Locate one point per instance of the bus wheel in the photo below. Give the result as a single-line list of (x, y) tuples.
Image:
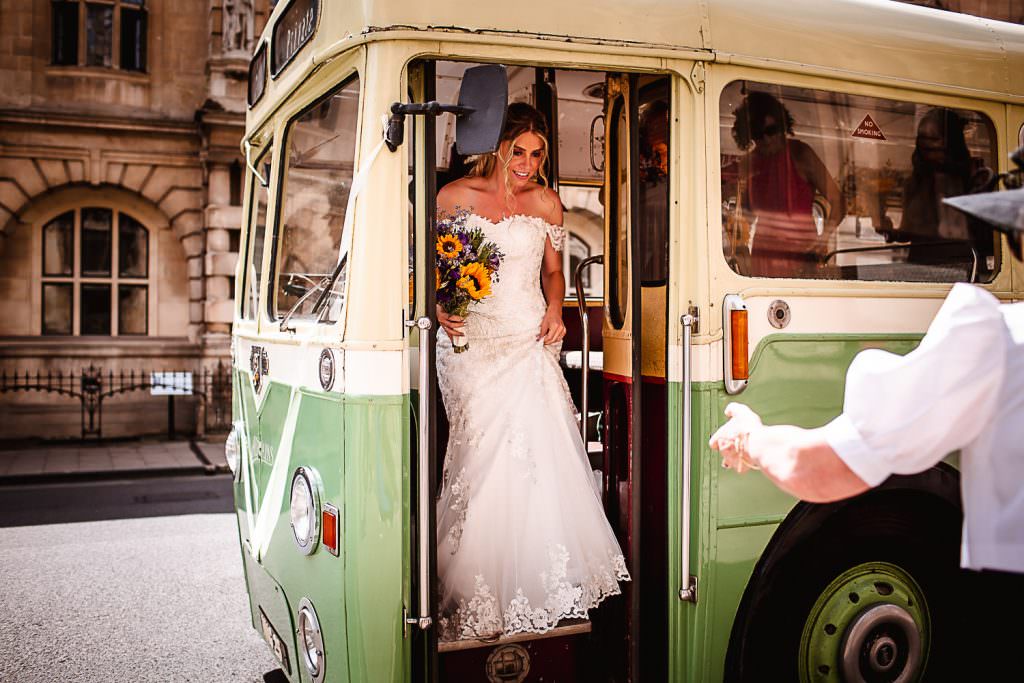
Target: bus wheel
[(861, 591), (870, 624)]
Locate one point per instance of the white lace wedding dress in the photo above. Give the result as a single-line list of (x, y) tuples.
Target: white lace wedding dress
[(522, 538)]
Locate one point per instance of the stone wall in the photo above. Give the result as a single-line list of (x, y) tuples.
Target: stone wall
[(162, 145)]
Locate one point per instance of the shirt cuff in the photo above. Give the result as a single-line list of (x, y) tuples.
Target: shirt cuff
[(851, 448)]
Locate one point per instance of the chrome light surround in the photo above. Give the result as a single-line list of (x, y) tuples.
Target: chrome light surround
[(232, 446), (311, 641), (304, 509)]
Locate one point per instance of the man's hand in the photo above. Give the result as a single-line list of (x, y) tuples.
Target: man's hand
[(732, 439)]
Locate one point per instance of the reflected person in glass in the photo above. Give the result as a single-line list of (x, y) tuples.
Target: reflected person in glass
[(779, 180)]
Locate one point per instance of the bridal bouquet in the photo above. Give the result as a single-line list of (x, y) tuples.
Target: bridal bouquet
[(467, 265)]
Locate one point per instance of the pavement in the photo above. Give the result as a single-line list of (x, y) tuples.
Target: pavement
[(77, 461)]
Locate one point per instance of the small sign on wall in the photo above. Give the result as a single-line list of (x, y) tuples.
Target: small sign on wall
[(170, 383)]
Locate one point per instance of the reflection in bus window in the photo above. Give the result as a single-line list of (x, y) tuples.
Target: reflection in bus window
[(583, 219), (941, 166), (580, 101), (618, 240), (653, 183), (818, 184), (253, 274), (321, 149)]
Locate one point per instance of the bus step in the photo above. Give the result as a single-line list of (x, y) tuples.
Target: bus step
[(568, 627)]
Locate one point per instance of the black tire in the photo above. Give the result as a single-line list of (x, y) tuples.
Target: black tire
[(916, 532)]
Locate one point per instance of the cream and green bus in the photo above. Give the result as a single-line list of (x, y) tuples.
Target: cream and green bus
[(339, 433)]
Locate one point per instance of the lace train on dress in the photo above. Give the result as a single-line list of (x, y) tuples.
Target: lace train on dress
[(522, 537)]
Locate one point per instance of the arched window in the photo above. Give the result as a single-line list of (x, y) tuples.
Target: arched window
[(95, 274)]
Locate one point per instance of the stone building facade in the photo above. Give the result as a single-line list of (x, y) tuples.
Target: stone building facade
[(120, 193)]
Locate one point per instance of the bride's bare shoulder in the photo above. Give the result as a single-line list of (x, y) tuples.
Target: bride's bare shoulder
[(458, 193), (544, 202)]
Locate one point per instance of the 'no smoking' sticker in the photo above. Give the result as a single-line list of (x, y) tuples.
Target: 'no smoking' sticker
[(868, 129)]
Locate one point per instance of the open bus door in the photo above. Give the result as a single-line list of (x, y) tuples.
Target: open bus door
[(622, 399), (421, 609), (481, 111), (635, 492), (637, 188)]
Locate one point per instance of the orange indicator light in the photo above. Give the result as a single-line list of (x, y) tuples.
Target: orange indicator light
[(329, 524), (738, 321)]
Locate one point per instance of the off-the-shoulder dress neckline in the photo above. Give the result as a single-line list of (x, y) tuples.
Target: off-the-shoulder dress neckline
[(508, 219)]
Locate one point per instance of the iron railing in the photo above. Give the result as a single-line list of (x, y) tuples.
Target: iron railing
[(91, 386)]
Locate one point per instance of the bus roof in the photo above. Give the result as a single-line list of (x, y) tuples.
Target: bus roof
[(876, 38)]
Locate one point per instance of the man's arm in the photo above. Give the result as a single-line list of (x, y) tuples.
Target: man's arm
[(799, 461)]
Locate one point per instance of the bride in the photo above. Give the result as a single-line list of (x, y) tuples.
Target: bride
[(522, 538)]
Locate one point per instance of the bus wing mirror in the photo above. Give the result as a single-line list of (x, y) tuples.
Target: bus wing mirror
[(484, 98)]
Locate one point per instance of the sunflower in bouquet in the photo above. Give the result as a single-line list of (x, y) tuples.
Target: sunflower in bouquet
[(467, 266)]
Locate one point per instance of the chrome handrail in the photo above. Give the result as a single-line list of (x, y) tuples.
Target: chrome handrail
[(687, 585), (581, 302), (424, 621)]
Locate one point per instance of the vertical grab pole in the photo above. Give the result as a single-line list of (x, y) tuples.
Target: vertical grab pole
[(423, 619), (581, 302), (687, 584)]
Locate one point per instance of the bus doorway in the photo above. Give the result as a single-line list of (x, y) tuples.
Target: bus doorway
[(627, 427)]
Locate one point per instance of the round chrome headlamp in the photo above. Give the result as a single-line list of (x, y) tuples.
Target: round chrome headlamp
[(305, 509), (311, 641), (232, 446)]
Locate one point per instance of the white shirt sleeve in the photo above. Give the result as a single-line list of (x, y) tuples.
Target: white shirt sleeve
[(903, 414)]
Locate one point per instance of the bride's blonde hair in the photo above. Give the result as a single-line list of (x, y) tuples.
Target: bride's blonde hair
[(520, 119)]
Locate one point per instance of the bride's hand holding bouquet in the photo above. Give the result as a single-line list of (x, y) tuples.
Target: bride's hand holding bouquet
[(467, 265)]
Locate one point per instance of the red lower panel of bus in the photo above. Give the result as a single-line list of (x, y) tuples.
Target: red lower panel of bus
[(566, 659)]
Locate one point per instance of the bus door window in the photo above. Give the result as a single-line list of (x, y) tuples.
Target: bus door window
[(321, 150), (819, 184), (580, 104), (252, 276), (617, 208), (652, 179)]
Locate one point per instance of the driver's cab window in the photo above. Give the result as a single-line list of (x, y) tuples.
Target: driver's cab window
[(819, 184), (317, 180), (252, 276)]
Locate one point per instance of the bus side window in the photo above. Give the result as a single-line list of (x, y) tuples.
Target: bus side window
[(321, 152), (252, 276), (819, 184)]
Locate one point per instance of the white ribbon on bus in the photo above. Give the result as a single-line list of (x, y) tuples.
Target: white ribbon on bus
[(357, 186), (262, 528)]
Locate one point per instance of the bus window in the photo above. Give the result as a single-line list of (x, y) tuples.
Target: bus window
[(652, 183), (253, 274), (321, 150), (618, 211), (819, 184), (583, 219), (580, 174)]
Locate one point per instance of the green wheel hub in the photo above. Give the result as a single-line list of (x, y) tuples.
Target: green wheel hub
[(870, 625)]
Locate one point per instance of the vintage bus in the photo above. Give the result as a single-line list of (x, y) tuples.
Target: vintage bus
[(339, 432)]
